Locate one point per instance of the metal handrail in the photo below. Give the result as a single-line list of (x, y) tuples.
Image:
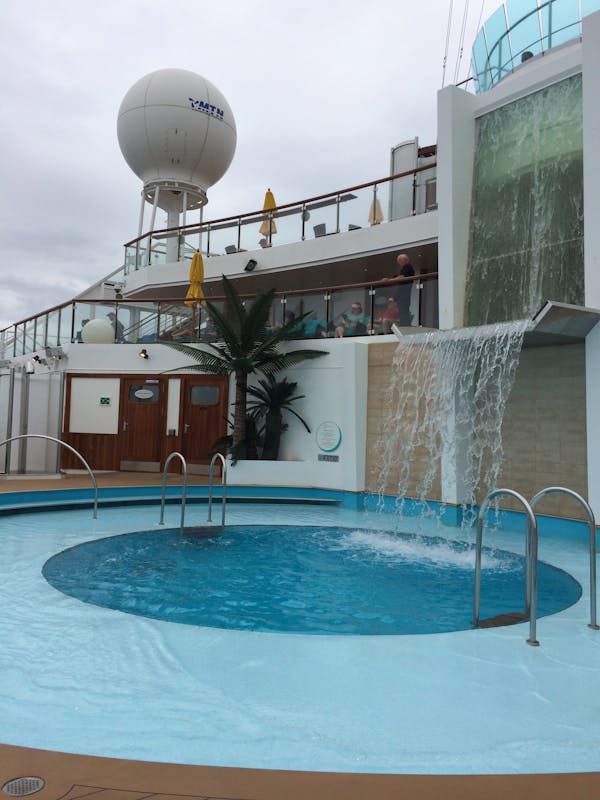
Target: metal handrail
[(531, 550), (260, 214), (223, 486), (68, 446), (592, 526), (164, 488)]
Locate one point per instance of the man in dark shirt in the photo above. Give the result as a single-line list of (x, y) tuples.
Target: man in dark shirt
[(403, 290)]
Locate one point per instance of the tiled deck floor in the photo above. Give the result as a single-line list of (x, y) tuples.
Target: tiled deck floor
[(72, 776)]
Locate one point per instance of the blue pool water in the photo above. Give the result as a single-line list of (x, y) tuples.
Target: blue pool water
[(301, 579)]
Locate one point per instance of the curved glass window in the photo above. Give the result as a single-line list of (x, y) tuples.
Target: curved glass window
[(521, 29)]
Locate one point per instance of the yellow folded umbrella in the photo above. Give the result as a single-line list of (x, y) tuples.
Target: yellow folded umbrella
[(375, 213), (268, 226), (195, 292)]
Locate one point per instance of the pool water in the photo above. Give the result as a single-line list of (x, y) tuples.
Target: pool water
[(301, 579)]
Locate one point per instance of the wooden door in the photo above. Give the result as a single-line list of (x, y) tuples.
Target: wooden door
[(204, 418), (142, 423)]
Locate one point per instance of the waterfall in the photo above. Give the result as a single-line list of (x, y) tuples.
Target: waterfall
[(443, 413)]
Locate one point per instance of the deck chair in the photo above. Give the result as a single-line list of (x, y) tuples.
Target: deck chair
[(320, 230), (231, 248)]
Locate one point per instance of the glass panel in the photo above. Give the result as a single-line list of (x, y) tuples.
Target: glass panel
[(480, 65), (144, 393), (563, 15), (40, 333), (208, 332), (53, 319), (140, 321), (222, 239), (204, 395), (84, 312), (350, 313), (527, 35), (315, 305), (428, 315), (159, 251), (28, 344), (527, 226), (19, 339), (495, 34), (323, 218), (175, 323), (288, 227)]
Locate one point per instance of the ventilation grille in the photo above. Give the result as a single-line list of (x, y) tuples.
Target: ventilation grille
[(21, 787)]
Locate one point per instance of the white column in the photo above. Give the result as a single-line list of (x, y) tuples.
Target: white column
[(456, 153)]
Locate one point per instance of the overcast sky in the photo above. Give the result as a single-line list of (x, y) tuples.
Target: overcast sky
[(320, 90)]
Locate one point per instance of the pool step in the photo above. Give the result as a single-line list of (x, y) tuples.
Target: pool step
[(511, 618)]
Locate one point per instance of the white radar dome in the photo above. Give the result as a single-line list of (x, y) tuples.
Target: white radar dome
[(176, 132)]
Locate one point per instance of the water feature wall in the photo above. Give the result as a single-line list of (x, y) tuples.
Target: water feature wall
[(444, 411), (527, 221)]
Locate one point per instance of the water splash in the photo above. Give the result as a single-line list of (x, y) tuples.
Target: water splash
[(416, 549), (443, 417)]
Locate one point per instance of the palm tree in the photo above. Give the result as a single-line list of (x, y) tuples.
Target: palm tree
[(245, 346), (271, 398)]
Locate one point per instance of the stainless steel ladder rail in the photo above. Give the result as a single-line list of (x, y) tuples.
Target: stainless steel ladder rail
[(592, 526), (223, 485), (164, 488), (531, 551), (68, 446)]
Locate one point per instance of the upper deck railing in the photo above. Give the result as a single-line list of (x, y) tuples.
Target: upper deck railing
[(149, 321), (373, 203), (397, 196), (521, 29)]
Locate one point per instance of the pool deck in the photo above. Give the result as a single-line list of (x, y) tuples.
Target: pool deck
[(77, 776)]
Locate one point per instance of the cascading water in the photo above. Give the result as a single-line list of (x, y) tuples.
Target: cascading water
[(444, 410)]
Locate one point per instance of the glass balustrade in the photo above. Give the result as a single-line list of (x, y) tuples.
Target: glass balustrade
[(356, 310), (521, 29), (350, 209)]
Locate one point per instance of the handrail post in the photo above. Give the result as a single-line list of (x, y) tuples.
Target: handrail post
[(531, 549), (164, 488), (221, 457), (592, 540)]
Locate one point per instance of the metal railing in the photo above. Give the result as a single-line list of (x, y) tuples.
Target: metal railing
[(320, 215), (72, 449), (155, 320), (531, 551), (164, 488), (221, 457), (592, 527)]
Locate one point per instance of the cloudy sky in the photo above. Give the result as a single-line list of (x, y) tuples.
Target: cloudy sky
[(320, 90)]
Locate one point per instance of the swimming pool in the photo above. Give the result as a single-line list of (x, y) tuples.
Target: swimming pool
[(81, 678), (301, 579)]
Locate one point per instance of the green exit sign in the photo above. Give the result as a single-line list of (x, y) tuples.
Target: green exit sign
[(105, 401)]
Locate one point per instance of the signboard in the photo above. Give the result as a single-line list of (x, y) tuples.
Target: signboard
[(328, 436)]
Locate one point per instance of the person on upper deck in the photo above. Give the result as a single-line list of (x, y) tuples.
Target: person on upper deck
[(403, 290)]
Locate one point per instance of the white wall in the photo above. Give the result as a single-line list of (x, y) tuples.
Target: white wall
[(456, 152), (335, 389)]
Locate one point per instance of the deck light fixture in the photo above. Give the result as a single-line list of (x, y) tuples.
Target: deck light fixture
[(143, 354), (250, 265)]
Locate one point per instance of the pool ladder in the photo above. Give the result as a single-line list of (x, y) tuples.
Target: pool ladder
[(531, 554), (60, 442), (183, 488), (217, 457)]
